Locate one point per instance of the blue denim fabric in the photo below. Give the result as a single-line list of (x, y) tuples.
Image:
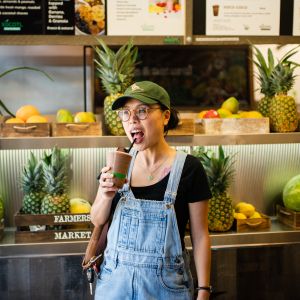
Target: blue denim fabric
[(144, 259)]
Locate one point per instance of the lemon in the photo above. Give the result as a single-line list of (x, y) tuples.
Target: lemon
[(246, 208), (254, 114), (239, 216), (224, 113), (79, 206), (255, 215)]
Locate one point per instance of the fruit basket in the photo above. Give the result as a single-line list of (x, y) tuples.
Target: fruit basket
[(255, 224), (25, 129), (288, 217), (232, 126), (52, 227)]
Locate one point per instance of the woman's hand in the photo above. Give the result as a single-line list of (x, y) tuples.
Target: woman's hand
[(107, 189)]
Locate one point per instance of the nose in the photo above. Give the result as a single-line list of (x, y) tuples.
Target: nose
[(133, 118)]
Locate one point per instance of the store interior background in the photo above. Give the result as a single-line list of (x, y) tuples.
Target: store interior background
[(65, 65)]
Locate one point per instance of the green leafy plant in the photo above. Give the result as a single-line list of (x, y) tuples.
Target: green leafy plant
[(2, 105)]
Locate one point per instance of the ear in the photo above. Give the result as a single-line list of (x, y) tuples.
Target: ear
[(167, 115)]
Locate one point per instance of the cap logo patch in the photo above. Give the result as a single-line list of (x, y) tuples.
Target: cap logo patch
[(135, 87)]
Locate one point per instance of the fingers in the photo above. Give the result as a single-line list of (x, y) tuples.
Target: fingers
[(106, 182)]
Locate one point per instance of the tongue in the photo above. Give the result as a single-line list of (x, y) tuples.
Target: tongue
[(138, 137)]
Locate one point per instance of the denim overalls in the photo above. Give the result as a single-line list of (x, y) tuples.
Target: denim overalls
[(143, 259)]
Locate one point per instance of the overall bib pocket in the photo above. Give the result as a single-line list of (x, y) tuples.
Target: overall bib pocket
[(142, 231)]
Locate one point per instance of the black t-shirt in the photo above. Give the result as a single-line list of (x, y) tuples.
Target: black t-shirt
[(193, 187)]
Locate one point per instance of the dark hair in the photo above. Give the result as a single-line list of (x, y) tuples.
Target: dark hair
[(173, 121)]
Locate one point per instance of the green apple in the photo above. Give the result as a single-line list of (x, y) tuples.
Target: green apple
[(84, 117), (231, 104), (64, 116)]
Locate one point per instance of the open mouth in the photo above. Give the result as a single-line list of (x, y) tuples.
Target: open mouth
[(137, 135)]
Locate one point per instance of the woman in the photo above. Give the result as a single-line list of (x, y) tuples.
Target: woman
[(145, 257)]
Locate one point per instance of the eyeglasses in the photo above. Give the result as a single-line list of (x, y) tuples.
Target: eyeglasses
[(141, 113)]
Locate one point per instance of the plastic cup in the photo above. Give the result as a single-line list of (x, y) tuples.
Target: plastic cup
[(216, 10), (119, 163)]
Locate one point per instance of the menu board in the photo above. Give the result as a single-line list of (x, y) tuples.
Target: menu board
[(146, 17), (296, 18), (36, 17), (242, 17)]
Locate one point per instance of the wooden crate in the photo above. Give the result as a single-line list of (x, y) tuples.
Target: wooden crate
[(76, 129), (65, 227), (26, 129), (232, 126), (288, 217), (257, 224), (185, 127)]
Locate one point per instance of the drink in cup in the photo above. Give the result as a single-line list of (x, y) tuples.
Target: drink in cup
[(216, 10), (119, 162)]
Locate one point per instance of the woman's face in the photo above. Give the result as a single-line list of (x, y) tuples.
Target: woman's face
[(148, 131)]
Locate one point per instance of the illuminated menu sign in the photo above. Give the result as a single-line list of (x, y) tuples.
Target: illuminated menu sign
[(36, 17)]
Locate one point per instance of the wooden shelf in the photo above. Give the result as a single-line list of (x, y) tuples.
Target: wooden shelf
[(122, 141)]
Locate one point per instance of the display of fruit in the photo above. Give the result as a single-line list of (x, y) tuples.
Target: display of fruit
[(26, 111), (245, 210), (231, 104), (64, 116), (55, 175), (32, 183), (37, 119), (280, 80), (224, 113), (116, 71), (291, 193), (14, 120), (79, 206), (220, 172), (211, 114), (84, 117)]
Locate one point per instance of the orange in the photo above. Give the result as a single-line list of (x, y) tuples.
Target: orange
[(26, 111), (14, 120), (37, 119)]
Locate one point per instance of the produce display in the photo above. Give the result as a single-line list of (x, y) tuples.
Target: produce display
[(220, 171), (56, 199), (32, 182), (65, 116), (229, 109), (79, 206), (27, 114), (116, 71), (291, 194), (276, 80), (244, 210)]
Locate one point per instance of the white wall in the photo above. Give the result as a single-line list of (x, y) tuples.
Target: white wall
[(63, 63)]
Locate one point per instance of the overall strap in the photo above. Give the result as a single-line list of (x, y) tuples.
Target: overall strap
[(133, 152), (175, 175)]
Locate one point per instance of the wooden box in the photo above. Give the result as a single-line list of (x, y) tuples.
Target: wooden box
[(52, 228), (257, 224), (26, 129), (288, 217), (185, 127), (76, 129), (232, 126)]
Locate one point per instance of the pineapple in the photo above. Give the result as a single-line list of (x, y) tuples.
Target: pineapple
[(220, 174), (116, 71), (283, 109), (32, 185), (265, 69), (56, 199)]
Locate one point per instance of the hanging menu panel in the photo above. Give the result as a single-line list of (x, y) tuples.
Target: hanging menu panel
[(147, 17), (243, 17), (21, 17)]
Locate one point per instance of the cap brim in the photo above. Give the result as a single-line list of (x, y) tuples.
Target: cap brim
[(119, 102)]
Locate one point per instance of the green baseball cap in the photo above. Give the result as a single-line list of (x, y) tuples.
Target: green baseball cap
[(147, 92)]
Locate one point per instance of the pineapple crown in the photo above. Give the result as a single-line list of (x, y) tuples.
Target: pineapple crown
[(55, 172), (32, 175), (115, 69), (275, 79), (219, 170)]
